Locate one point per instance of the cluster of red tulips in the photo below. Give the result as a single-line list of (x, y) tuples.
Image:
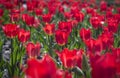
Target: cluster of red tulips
[(59, 39)]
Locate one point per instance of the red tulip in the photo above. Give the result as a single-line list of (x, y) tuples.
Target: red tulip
[(63, 74), (30, 20), (80, 56), (109, 14), (65, 26), (95, 22), (117, 17), (67, 15), (94, 45), (33, 50), (46, 17), (31, 5), (8, 5), (90, 10), (23, 35), (113, 24), (73, 22), (49, 29), (15, 15), (98, 46), (68, 74), (113, 27), (1, 12), (103, 6), (79, 16), (60, 73), (85, 34), (107, 40), (90, 44), (118, 10), (43, 68), (52, 9), (60, 9), (74, 9), (103, 66), (10, 30), (116, 52), (61, 37), (68, 57), (38, 11)]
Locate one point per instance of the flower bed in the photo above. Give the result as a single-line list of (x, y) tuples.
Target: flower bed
[(59, 39)]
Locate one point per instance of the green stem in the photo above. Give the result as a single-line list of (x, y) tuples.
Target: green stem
[(50, 45), (12, 65)]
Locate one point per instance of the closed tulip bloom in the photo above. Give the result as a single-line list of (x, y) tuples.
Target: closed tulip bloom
[(65, 26), (107, 40), (23, 35), (30, 20), (113, 24), (61, 37), (38, 12), (85, 34), (46, 18), (31, 5), (103, 6), (68, 57), (43, 68), (103, 66), (89, 10), (15, 15), (90, 44), (95, 22), (79, 16), (98, 46), (33, 50), (1, 12), (10, 30), (116, 52), (49, 29)]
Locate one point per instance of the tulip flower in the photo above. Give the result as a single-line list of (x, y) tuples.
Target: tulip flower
[(43, 68), (61, 37), (46, 18), (71, 58), (116, 52), (103, 6), (30, 20), (65, 26), (23, 35), (103, 66), (38, 12), (90, 44), (79, 16), (49, 29), (113, 24), (1, 12), (85, 34), (15, 15), (31, 5), (33, 50), (68, 57), (95, 22), (107, 40), (10, 30)]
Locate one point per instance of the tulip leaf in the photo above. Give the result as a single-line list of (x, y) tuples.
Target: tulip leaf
[(78, 71), (86, 66)]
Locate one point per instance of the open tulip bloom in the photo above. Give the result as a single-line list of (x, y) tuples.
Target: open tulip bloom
[(59, 39)]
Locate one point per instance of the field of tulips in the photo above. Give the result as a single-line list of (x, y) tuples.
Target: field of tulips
[(59, 39)]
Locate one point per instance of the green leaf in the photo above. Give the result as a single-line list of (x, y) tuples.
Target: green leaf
[(86, 66), (78, 71)]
